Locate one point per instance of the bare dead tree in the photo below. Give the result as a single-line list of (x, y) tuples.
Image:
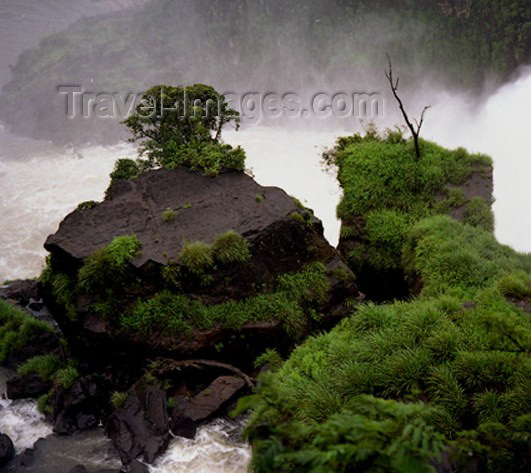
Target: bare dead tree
[(414, 131)]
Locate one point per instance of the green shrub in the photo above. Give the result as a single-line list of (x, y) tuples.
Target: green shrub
[(66, 377), (464, 366), (197, 257), (118, 399), (385, 191), (479, 214), (108, 266), (168, 215), (89, 204), (124, 169), (259, 198), (165, 312), (45, 366), (230, 247), (208, 158)]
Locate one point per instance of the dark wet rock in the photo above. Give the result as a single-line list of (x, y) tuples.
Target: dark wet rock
[(138, 467), (7, 449), (210, 400), (20, 292), (78, 407), (78, 469), (190, 412), (28, 386), (140, 427)]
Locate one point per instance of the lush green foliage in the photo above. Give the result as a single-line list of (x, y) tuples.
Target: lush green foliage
[(386, 189), (464, 365), (207, 158), (294, 302), (230, 247), (125, 168), (17, 329), (271, 358), (44, 365), (182, 125), (448, 255), (108, 266)]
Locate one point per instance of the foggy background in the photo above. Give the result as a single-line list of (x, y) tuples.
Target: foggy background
[(49, 163)]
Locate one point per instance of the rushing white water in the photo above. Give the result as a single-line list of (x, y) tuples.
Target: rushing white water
[(213, 450), (23, 423)]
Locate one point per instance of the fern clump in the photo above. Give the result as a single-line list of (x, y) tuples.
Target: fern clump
[(456, 359), (230, 247)]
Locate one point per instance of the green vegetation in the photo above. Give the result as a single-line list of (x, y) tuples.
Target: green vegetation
[(271, 358), (45, 366), (89, 204), (259, 198), (183, 127), (125, 168), (450, 256), (66, 377), (108, 266), (386, 191), (168, 215), (118, 399), (197, 257), (478, 213), (392, 385), (295, 302), (230, 247), (18, 329)]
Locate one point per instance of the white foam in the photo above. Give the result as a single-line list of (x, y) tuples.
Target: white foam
[(23, 423), (212, 451)]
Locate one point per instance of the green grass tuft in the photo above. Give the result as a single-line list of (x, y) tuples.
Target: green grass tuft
[(45, 366), (197, 257), (230, 247)]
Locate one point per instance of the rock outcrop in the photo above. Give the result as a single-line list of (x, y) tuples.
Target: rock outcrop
[(214, 272), (166, 209)]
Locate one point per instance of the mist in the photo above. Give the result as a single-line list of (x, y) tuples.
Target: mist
[(49, 163)]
